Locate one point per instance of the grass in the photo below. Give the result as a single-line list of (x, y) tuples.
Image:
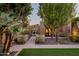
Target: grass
[(49, 52)]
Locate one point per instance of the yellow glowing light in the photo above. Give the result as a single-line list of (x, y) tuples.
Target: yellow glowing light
[(46, 31), (75, 33)]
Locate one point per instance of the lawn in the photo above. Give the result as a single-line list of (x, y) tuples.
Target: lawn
[(49, 52)]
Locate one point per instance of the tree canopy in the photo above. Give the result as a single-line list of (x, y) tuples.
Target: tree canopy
[(15, 14), (56, 14)]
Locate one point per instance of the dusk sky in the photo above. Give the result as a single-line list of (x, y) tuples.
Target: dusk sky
[(35, 19)]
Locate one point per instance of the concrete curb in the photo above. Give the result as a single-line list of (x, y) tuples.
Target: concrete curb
[(18, 52)]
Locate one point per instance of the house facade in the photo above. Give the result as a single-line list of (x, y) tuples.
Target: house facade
[(49, 31)]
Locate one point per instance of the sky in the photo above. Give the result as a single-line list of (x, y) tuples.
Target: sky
[(35, 19), (77, 10)]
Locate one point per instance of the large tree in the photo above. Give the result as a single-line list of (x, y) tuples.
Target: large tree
[(14, 16), (56, 14)]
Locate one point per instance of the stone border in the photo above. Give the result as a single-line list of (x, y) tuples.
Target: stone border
[(18, 52)]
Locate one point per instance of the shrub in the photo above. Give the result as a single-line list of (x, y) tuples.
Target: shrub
[(72, 39), (39, 39), (20, 39)]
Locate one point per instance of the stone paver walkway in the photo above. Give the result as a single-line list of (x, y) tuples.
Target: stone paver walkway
[(31, 44)]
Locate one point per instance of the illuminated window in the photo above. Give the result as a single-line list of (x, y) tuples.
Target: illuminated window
[(47, 31)]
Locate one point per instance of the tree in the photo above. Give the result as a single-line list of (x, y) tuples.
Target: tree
[(14, 16), (18, 11), (56, 14)]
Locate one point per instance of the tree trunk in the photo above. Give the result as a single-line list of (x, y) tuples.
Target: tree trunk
[(56, 35), (8, 41), (52, 33)]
